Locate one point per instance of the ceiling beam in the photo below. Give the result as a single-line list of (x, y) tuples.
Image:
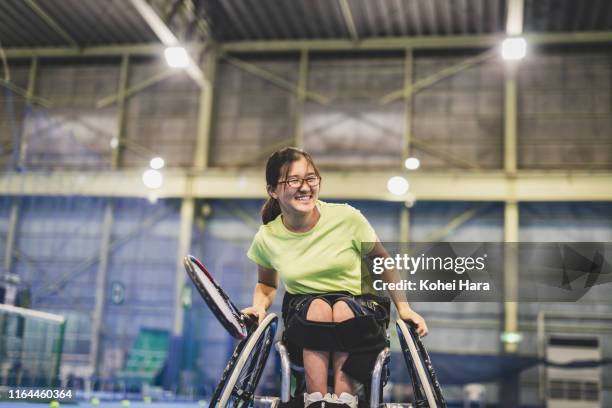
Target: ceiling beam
[(167, 37), (51, 23), (458, 185), (401, 43), (391, 43), (143, 49), (348, 20), (514, 17)]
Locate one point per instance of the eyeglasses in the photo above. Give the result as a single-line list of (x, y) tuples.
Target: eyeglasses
[(296, 182)]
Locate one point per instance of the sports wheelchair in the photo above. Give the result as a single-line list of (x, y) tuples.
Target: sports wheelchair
[(243, 372)]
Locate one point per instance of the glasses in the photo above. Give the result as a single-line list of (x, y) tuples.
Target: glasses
[(296, 182)]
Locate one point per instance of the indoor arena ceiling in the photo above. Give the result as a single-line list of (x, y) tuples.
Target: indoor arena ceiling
[(79, 23)]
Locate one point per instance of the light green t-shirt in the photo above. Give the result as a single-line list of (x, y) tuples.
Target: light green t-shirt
[(325, 259)]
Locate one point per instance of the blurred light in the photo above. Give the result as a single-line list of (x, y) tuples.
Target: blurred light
[(152, 178), (157, 163), (205, 210), (152, 197), (114, 142), (176, 57), (397, 185), (511, 337), (412, 163), (514, 48), (409, 203)]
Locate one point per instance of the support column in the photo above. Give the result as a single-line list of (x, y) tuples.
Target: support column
[(202, 150), (509, 392), (200, 163), (107, 227), (122, 87), (176, 341), (10, 236), (101, 279), (404, 224), (23, 145), (511, 238), (302, 89), (510, 119), (187, 212), (21, 161), (406, 142), (404, 231), (510, 387), (511, 217)]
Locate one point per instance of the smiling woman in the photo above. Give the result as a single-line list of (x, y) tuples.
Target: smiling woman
[(292, 181), (315, 248)]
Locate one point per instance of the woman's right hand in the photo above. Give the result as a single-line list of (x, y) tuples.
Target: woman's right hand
[(258, 311)]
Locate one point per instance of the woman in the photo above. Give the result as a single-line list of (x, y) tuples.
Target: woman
[(316, 250)]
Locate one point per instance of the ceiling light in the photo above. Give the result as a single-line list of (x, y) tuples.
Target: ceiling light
[(398, 185), (157, 163), (152, 179), (176, 57), (514, 48), (412, 163)]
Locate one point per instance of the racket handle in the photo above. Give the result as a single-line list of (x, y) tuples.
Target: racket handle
[(248, 320)]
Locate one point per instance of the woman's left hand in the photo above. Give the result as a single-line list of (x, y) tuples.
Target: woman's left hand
[(414, 317)]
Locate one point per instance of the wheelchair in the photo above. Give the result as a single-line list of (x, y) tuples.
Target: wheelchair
[(289, 372), (243, 372)]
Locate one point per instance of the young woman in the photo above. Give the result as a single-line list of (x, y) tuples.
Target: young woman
[(316, 249)]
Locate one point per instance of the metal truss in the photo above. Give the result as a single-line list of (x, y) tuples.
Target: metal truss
[(459, 185)]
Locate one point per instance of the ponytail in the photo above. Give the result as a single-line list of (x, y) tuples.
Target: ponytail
[(270, 210)]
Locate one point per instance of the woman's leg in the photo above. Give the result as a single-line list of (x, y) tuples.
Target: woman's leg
[(342, 382), (316, 363)]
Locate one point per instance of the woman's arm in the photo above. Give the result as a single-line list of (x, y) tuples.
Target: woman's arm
[(264, 293), (399, 297)]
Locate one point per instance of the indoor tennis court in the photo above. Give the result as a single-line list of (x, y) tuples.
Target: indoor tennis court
[(306, 203)]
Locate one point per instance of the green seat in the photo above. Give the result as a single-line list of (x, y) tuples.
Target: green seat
[(147, 357)]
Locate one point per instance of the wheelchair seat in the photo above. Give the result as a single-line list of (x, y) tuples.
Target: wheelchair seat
[(292, 374)]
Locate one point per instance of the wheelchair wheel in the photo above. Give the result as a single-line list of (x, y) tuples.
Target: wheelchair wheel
[(243, 372), (427, 390)]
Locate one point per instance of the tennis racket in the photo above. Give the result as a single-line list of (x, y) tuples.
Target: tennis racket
[(230, 317)]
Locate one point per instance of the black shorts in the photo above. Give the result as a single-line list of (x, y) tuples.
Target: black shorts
[(361, 305)]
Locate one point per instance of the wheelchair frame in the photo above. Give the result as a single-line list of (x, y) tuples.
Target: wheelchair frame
[(427, 391), (243, 353), (376, 383)]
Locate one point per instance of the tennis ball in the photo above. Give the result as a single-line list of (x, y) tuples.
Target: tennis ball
[(147, 399), (54, 404), (125, 403), (95, 401)]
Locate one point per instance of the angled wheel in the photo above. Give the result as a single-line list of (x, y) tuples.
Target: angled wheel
[(427, 391), (243, 372)]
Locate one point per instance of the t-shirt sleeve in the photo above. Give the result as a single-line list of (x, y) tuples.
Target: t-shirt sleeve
[(257, 252), (365, 236)]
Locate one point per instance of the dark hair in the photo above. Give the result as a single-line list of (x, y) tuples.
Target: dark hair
[(284, 157)]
